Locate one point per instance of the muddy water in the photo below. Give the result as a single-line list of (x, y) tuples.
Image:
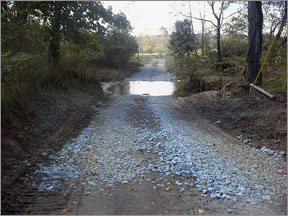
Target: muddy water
[(152, 80), (139, 154), (151, 88)]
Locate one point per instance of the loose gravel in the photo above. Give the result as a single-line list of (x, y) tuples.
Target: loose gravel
[(106, 154)]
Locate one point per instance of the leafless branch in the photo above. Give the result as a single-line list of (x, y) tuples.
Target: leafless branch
[(238, 11), (205, 20), (212, 3)]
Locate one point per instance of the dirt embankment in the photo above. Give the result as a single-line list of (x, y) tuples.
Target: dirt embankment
[(30, 135), (254, 118), (44, 128)]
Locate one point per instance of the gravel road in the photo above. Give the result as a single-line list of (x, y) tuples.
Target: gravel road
[(149, 155)]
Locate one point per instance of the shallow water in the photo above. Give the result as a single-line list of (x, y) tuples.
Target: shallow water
[(151, 88)]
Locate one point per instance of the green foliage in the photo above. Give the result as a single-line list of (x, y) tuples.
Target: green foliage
[(235, 39), (183, 40), (234, 45), (275, 70), (22, 76), (119, 46), (153, 44), (84, 31), (233, 71)]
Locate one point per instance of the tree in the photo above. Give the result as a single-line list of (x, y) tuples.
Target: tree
[(255, 20), (54, 39), (235, 35), (86, 26), (219, 16), (163, 31), (118, 44), (183, 40), (219, 21), (203, 30), (275, 16), (154, 43), (68, 20), (238, 25)]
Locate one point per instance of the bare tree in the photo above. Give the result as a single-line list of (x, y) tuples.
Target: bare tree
[(275, 14), (203, 31), (219, 16), (283, 20), (219, 21)]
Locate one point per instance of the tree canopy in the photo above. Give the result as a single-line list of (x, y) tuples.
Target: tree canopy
[(83, 23)]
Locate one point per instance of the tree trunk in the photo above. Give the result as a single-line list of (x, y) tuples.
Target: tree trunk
[(22, 12), (283, 21), (54, 42), (219, 58), (203, 37), (255, 19)]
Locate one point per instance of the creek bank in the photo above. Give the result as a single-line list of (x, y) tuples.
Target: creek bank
[(31, 134), (252, 118)]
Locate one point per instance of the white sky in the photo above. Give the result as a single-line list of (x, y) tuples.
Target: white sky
[(147, 17)]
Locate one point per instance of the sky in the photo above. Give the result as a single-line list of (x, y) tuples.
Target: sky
[(147, 17)]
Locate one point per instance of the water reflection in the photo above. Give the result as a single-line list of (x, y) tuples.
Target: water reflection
[(152, 88)]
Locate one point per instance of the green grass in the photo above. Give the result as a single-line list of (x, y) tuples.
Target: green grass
[(274, 75), (276, 83)]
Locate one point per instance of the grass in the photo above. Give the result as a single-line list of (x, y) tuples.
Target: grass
[(204, 67), (275, 80)]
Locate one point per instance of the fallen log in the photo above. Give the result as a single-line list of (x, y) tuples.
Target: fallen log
[(262, 91)]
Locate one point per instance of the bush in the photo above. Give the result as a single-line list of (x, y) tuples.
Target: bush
[(233, 45)]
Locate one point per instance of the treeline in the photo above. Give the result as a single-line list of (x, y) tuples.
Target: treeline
[(234, 45), (153, 44), (51, 43)]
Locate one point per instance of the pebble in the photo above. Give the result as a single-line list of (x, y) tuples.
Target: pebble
[(266, 197), (100, 144), (213, 195), (91, 183), (247, 140), (270, 152), (209, 189), (253, 201)]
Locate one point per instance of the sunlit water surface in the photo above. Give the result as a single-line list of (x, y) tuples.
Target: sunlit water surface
[(152, 88)]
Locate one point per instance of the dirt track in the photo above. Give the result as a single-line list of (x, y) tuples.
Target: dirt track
[(149, 155)]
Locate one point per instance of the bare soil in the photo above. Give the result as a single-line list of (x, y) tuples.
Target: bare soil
[(55, 123), (29, 135), (253, 116), (34, 136)]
